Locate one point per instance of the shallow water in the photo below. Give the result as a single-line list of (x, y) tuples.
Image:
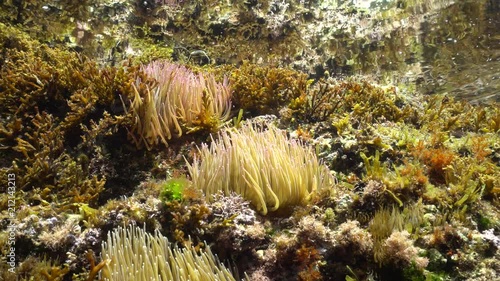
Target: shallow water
[(455, 50), (438, 46), (93, 148)]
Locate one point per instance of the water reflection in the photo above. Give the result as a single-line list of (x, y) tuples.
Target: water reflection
[(461, 52), (455, 51)]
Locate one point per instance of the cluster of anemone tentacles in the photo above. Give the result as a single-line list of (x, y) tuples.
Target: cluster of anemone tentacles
[(264, 166), (178, 101), (134, 254)]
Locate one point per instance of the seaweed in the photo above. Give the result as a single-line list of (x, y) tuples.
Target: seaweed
[(264, 89)]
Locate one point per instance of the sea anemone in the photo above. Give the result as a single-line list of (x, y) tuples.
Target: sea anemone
[(179, 101), (264, 166), (134, 254)]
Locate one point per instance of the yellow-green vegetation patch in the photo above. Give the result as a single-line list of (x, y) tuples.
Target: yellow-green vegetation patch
[(55, 105), (144, 51), (263, 89)]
